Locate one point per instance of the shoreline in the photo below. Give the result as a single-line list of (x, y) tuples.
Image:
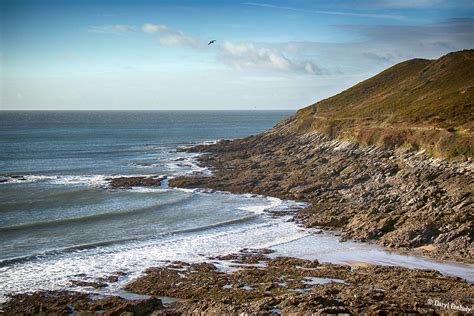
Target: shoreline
[(377, 288), (335, 279), (409, 201), (255, 282)]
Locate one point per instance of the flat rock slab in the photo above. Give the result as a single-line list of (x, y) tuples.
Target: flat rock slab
[(262, 285), (128, 182), (67, 302)]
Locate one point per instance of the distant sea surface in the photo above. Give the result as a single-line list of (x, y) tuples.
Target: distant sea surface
[(58, 219)]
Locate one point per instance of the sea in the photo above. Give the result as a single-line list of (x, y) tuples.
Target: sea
[(60, 222)]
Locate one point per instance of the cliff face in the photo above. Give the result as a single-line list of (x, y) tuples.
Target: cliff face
[(389, 194), (423, 104)]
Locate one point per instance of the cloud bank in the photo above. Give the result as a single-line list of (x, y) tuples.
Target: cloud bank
[(243, 56), (379, 46), (249, 56), (151, 28), (171, 37)]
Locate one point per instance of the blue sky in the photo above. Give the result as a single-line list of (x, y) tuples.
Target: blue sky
[(153, 55)]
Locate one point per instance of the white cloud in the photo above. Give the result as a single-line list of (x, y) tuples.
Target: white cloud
[(309, 68), (386, 42), (384, 45), (172, 37), (178, 40), (249, 56), (112, 29), (245, 56), (155, 28)]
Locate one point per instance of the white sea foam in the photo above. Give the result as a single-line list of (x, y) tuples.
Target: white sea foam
[(55, 272), (144, 165), (187, 190), (185, 165), (275, 205), (259, 209), (89, 180), (93, 180), (148, 189), (285, 205)]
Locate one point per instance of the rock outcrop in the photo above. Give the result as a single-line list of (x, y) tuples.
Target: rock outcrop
[(75, 303), (394, 197), (261, 285), (291, 286), (138, 181)]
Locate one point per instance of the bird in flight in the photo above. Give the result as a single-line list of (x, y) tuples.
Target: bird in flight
[(213, 41)]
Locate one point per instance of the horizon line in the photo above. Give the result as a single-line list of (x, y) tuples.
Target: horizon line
[(162, 110)]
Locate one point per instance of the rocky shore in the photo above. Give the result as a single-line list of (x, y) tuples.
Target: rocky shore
[(393, 197), (396, 197), (254, 282), (262, 285), (77, 303)]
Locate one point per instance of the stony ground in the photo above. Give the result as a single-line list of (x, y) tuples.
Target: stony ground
[(394, 197), (296, 286), (67, 303), (261, 285)]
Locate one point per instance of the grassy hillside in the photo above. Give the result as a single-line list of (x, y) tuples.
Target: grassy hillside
[(424, 104)]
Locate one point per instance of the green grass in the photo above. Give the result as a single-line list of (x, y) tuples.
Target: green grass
[(425, 104)]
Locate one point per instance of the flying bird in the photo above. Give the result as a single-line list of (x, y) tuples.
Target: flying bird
[(213, 41)]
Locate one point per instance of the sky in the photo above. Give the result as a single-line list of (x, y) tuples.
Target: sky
[(154, 55)]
